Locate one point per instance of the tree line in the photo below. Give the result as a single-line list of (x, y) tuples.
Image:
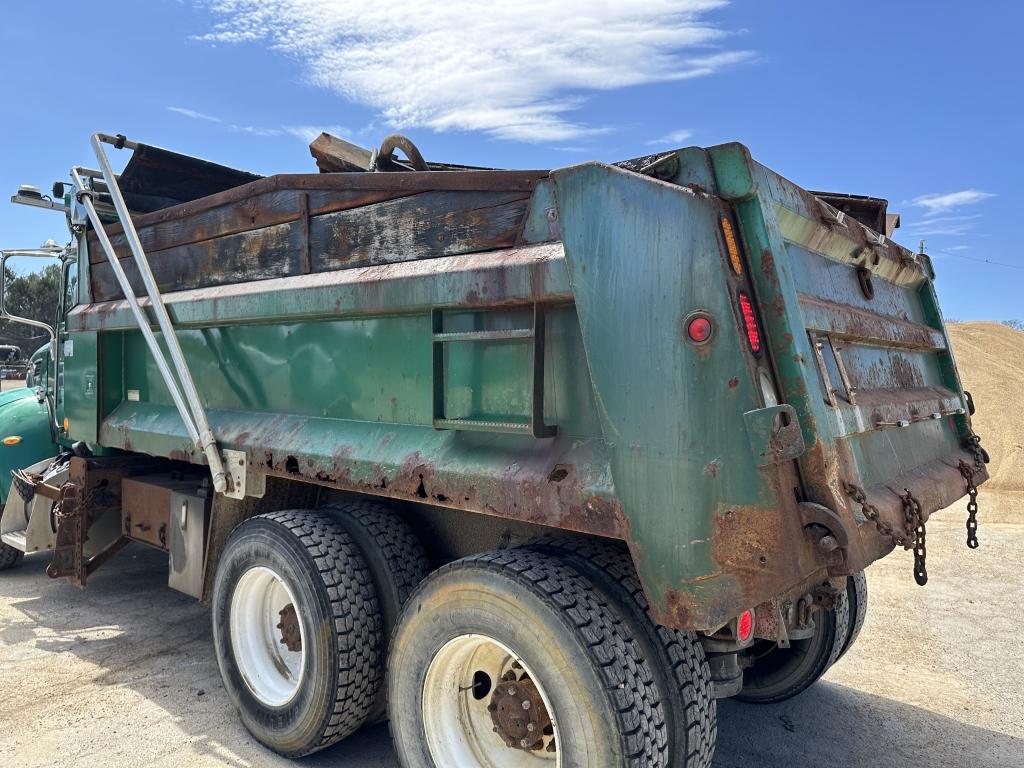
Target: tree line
[(35, 295)]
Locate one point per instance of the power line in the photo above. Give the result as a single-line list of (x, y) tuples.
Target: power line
[(980, 261)]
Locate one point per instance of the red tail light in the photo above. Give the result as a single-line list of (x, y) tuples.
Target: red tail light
[(750, 323), (699, 329), (745, 626)]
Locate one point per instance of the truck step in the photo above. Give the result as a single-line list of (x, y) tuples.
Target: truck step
[(15, 539)]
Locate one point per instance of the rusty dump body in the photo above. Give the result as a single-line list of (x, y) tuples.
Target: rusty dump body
[(516, 345)]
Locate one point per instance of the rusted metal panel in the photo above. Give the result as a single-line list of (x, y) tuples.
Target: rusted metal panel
[(263, 210), (561, 482), (146, 510), (845, 321), (880, 404), (493, 279), (425, 225)]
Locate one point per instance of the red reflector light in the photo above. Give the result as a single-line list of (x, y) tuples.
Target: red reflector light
[(750, 323), (699, 330), (745, 626)]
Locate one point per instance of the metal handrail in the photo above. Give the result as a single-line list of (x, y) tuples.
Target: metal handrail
[(185, 399)]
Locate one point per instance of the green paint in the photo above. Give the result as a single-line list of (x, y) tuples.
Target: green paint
[(332, 378), (24, 417)]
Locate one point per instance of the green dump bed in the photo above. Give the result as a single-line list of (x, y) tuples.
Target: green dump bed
[(523, 345)]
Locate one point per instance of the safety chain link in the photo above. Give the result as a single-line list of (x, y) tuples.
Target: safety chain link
[(914, 523), (973, 444), (913, 535)]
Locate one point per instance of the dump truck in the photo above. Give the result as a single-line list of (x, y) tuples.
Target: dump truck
[(537, 465)]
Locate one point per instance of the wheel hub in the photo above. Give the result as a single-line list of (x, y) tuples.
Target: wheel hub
[(519, 715), (291, 635)]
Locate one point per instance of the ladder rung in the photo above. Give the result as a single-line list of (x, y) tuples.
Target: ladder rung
[(513, 334), (474, 425)]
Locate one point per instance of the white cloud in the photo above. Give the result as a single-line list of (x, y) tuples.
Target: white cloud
[(256, 130), (672, 138), (304, 132), (936, 204), (307, 133), (194, 114), (513, 70)]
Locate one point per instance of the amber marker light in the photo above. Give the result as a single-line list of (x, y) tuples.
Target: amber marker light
[(731, 246)]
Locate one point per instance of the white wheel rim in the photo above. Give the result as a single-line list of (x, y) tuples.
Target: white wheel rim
[(458, 725), (271, 670)]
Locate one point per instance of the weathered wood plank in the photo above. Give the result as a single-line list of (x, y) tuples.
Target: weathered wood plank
[(431, 224), (412, 182), (251, 213), (269, 252), (334, 155), (421, 226)]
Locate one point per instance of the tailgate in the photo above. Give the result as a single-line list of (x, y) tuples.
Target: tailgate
[(860, 350)]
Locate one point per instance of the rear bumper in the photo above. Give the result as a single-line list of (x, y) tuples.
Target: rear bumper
[(935, 485)]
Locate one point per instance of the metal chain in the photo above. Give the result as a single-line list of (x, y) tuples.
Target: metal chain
[(914, 536), (973, 444), (870, 511), (972, 505), (914, 523)]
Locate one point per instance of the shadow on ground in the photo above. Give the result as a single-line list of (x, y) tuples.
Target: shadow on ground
[(132, 631)]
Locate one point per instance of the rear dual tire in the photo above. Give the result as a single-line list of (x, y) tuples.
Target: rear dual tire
[(778, 674), (676, 658), (488, 642), (303, 604)]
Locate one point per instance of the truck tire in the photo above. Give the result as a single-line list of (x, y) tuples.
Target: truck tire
[(9, 556), (778, 674), (297, 630), (492, 649), (677, 659), (397, 562), (857, 596)]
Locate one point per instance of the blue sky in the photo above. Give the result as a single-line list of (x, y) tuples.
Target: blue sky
[(917, 102)]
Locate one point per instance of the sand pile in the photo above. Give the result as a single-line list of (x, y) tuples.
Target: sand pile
[(990, 358)]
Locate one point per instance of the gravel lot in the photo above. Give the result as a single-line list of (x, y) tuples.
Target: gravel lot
[(123, 673)]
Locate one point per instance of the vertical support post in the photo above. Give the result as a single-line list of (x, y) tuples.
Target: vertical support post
[(537, 425), (437, 364), (307, 262)]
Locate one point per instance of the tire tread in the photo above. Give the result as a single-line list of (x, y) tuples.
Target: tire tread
[(607, 642), (690, 703), (357, 621)]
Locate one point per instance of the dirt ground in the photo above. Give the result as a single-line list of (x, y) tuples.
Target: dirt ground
[(990, 357), (124, 674)]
